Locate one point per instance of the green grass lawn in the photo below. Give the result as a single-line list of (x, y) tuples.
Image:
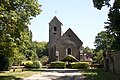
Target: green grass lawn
[(100, 74), (18, 74)]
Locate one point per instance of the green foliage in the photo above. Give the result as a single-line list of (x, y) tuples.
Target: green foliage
[(32, 64), (80, 65), (41, 48), (18, 58), (28, 64), (26, 46), (15, 37), (99, 74), (17, 13), (87, 50), (5, 63), (59, 65), (98, 57), (112, 25), (103, 41), (100, 3), (44, 60), (8, 47), (36, 64)]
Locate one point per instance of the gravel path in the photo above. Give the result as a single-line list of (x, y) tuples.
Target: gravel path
[(57, 74)]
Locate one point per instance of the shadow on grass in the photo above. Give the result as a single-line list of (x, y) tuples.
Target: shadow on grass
[(75, 77), (100, 74), (9, 78)]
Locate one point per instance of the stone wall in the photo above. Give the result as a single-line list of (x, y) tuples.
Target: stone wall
[(114, 62)]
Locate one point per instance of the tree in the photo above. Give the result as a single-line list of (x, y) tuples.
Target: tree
[(98, 57), (15, 15), (113, 25), (26, 44), (41, 48), (100, 3), (104, 41), (87, 50)]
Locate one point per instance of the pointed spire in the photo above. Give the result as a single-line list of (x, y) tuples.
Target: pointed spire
[(55, 19)]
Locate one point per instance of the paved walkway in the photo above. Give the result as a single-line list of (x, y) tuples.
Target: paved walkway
[(56, 74)]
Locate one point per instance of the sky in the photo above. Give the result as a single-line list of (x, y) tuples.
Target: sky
[(79, 15)]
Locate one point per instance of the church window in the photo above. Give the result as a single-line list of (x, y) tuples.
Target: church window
[(69, 51), (55, 33), (55, 29), (69, 35)]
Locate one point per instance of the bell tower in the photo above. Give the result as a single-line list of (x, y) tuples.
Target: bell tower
[(54, 35)]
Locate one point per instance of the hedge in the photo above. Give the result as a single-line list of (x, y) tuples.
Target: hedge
[(32, 64), (80, 65), (36, 64), (59, 65)]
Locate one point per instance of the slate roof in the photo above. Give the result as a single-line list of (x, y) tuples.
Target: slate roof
[(69, 32), (55, 19)]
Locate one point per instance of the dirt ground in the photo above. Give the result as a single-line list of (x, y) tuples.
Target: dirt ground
[(57, 74)]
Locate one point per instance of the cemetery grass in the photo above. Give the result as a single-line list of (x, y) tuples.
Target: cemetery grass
[(99, 74), (18, 74)]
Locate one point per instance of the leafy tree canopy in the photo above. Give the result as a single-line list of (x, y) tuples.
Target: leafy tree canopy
[(103, 41), (41, 48), (87, 50), (100, 3), (15, 36), (113, 23), (17, 13)]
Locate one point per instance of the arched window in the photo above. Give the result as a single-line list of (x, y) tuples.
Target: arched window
[(69, 35), (55, 29), (69, 51)]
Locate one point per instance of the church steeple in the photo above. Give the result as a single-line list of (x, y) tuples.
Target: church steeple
[(54, 36), (55, 20), (54, 30)]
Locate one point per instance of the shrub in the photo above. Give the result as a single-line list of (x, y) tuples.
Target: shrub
[(5, 63), (80, 65), (44, 60), (59, 65), (36, 64), (32, 64), (28, 64)]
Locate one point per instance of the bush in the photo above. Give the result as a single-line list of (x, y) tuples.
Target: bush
[(36, 64), (59, 65), (5, 63), (28, 64), (44, 60), (32, 64), (80, 65)]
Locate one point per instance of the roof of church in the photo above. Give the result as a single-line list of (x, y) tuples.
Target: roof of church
[(55, 19), (70, 37), (70, 30)]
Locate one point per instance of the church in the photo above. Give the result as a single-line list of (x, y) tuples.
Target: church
[(62, 45)]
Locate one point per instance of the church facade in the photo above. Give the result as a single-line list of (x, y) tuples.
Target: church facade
[(62, 45)]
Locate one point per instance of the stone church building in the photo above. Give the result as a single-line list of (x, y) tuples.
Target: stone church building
[(62, 45)]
